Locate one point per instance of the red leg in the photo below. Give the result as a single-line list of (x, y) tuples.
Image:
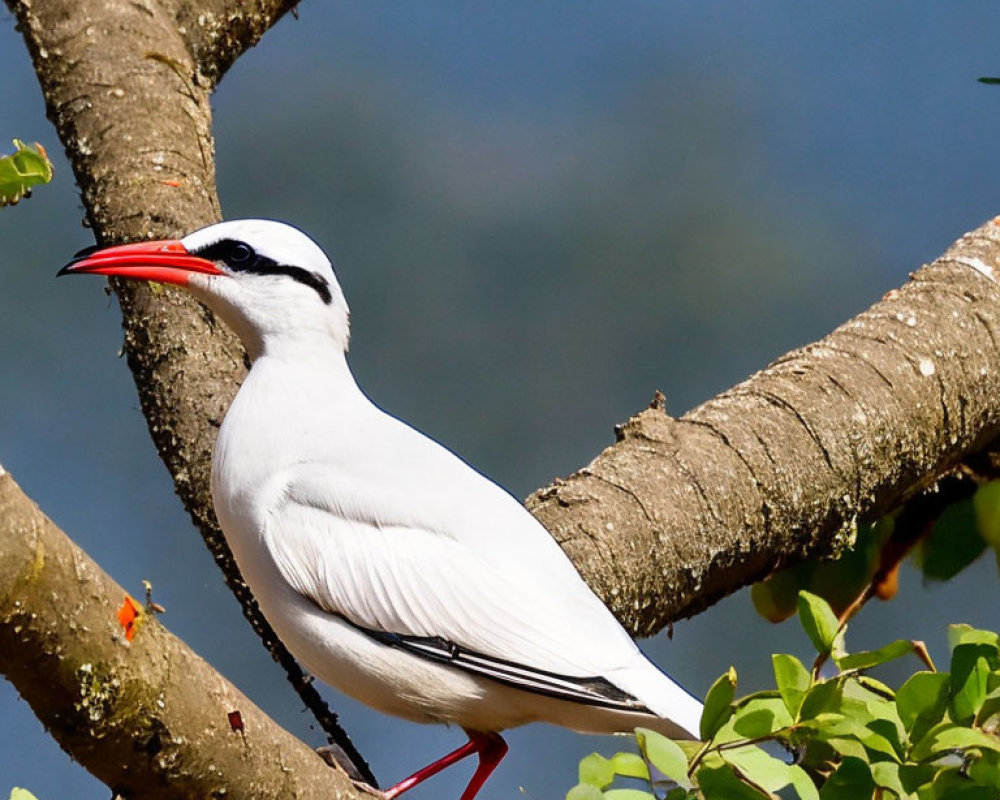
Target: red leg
[(491, 752), (491, 749)]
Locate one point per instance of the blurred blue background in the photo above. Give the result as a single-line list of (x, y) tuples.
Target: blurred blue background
[(540, 213)]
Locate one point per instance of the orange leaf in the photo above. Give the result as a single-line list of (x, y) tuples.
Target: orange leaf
[(128, 616), (886, 582)]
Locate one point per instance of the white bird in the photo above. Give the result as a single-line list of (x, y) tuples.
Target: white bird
[(393, 570)]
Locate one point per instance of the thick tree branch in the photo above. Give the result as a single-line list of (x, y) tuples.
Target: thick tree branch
[(781, 468), (148, 717)]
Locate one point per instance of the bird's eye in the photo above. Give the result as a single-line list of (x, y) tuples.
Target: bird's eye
[(240, 254)]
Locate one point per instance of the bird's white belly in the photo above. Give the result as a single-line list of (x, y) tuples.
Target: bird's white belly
[(386, 678), (404, 685)]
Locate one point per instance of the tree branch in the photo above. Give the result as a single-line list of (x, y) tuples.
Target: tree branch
[(131, 106), (219, 31), (148, 717), (781, 468)]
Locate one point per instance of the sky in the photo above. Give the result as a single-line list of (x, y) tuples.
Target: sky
[(540, 214)]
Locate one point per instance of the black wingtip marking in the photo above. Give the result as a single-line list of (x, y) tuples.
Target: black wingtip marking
[(594, 691)]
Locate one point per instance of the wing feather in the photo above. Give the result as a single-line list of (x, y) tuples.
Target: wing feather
[(369, 560)]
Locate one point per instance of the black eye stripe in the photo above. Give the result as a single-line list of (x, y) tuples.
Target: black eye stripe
[(240, 257), (311, 279)]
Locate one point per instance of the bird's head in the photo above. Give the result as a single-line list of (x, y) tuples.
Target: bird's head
[(267, 280)]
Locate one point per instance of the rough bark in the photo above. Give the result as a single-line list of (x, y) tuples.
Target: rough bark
[(148, 717), (782, 467)]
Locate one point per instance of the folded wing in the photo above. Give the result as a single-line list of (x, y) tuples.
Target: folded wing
[(502, 601)]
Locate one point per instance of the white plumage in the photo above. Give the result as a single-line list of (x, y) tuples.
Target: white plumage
[(392, 569)]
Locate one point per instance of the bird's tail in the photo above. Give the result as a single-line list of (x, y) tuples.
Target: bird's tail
[(678, 710)]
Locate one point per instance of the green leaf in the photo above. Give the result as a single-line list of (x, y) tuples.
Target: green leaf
[(986, 770), (922, 701), (793, 681), (770, 773), (27, 166), (18, 793), (953, 543), (848, 747), (986, 504), (776, 597), (818, 621), (989, 708), (802, 783), (970, 669), (916, 776), (966, 634), (839, 581), (760, 716), (947, 737), (886, 775), (722, 783), (861, 701), (630, 765), (596, 770), (628, 794), (869, 684), (872, 658), (852, 780), (953, 784), (876, 742), (690, 747), (836, 728), (892, 732), (718, 705), (665, 755), (988, 80), (762, 769), (584, 791), (823, 697)]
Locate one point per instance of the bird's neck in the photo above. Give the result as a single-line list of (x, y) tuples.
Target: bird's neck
[(305, 349), (312, 374), (268, 331), (291, 405)]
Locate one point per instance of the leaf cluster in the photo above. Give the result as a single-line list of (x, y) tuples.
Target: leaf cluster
[(843, 736), (27, 166)]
